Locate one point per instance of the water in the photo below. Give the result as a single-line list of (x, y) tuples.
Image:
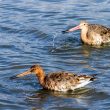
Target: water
[(30, 33)]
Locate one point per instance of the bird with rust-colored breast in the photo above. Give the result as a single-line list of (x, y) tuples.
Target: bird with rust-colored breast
[(92, 34), (58, 81)]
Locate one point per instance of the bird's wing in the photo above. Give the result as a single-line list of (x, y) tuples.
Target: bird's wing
[(61, 76), (99, 33), (66, 81)]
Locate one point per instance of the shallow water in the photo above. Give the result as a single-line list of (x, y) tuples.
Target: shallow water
[(30, 33)]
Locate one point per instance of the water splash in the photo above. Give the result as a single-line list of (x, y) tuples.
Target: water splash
[(53, 42), (54, 36)]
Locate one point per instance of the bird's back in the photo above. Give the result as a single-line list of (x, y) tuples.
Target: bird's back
[(98, 33), (63, 81)]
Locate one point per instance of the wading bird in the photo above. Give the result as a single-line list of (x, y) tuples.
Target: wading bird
[(58, 81), (92, 34)]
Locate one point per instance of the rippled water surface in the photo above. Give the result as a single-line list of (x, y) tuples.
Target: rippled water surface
[(30, 33)]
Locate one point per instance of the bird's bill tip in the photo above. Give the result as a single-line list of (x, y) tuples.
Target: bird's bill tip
[(13, 77), (64, 32)]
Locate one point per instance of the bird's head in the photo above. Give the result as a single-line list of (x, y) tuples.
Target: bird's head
[(35, 69)]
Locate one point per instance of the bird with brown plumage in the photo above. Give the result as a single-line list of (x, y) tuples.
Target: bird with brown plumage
[(92, 34), (58, 81)]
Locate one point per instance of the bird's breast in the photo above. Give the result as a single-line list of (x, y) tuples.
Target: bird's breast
[(91, 38)]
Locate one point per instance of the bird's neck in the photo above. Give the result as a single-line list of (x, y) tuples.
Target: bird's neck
[(41, 76), (84, 36)]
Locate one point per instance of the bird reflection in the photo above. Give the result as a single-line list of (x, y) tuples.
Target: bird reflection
[(81, 97), (43, 93)]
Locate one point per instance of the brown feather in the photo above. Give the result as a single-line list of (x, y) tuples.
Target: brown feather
[(59, 81)]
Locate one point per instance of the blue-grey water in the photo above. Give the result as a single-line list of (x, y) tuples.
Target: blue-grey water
[(30, 33)]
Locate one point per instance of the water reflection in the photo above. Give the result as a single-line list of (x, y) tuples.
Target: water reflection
[(81, 97)]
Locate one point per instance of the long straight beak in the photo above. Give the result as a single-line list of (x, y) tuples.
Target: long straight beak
[(21, 74), (72, 29)]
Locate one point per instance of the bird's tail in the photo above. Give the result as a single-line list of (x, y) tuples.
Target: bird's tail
[(86, 78), (93, 77)]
